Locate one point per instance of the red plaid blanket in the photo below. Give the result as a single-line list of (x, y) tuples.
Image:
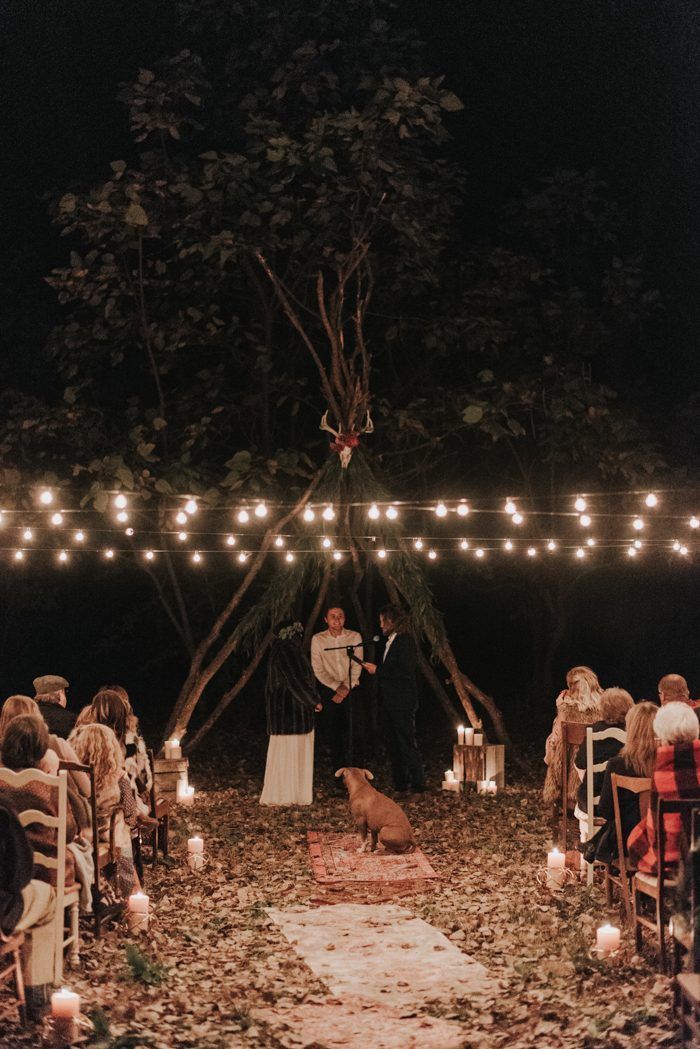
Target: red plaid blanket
[(676, 776)]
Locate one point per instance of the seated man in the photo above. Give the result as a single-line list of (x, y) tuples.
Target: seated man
[(50, 692)]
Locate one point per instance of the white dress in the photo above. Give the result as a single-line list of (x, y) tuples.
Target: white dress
[(289, 770)]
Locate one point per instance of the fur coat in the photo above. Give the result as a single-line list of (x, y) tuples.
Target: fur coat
[(568, 709)]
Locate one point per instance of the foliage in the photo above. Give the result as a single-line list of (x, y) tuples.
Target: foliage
[(144, 969)]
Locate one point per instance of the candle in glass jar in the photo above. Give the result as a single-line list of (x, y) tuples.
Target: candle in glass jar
[(469, 737), (607, 939), (555, 869), (460, 735), (195, 853), (65, 1010), (173, 750), (137, 913), (185, 794)]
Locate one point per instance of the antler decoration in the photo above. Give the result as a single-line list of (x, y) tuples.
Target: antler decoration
[(346, 441)]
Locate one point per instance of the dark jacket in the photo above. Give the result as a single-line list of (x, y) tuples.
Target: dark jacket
[(60, 721), (16, 866), (397, 673), (629, 804)]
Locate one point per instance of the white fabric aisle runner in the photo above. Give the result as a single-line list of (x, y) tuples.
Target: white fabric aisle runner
[(380, 954)]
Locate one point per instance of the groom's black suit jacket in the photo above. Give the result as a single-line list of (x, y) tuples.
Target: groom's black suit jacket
[(397, 673)]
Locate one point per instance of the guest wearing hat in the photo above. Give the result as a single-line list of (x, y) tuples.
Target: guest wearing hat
[(50, 692)]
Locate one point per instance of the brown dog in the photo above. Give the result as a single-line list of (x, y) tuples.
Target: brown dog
[(373, 811)]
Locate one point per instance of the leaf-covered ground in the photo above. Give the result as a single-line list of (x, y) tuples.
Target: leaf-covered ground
[(213, 965)]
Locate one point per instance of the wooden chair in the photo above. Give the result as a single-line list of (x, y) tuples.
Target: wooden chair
[(160, 810), (641, 786), (684, 935), (66, 898), (11, 977), (655, 886), (688, 985), (593, 821), (573, 734), (104, 854)]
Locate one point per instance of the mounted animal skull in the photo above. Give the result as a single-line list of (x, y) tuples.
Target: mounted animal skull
[(344, 443)]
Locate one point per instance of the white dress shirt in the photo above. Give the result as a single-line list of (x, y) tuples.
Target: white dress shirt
[(389, 641), (331, 668)]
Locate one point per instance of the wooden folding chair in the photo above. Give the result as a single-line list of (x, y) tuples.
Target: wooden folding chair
[(573, 734), (160, 810), (11, 977), (66, 898), (655, 886), (641, 786)]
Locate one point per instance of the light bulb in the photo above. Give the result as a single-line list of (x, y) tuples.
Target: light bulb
[(580, 553), (464, 544), (149, 555), (373, 512), (79, 536), (327, 544), (580, 504), (19, 555), (27, 535), (289, 557), (120, 501), (381, 553), (46, 497), (261, 510), (676, 545), (590, 541), (196, 557), (122, 517), (683, 551), (109, 554), (517, 518), (585, 521), (652, 499), (631, 551), (308, 514), (637, 544), (63, 556), (508, 545), (510, 507), (243, 557), (230, 540), (638, 524), (337, 555), (279, 541), (551, 545), (463, 509), (392, 513), (418, 543), (531, 551), (479, 552), (129, 532), (243, 517), (441, 510), (328, 513), (182, 536), (694, 522), (432, 555), (191, 506), (57, 519), (181, 517)]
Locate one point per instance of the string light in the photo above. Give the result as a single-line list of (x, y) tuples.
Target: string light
[(463, 509), (181, 517), (585, 521), (337, 555), (19, 555), (580, 504), (517, 518), (327, 544), (308, 514), (57, 519), (432, 554), (261, 510), (637, 544), (590, 541), (191, 506), (381, 553), (580, 553), (694, 522), (289, 557), (638, 524), (79, 536), (182, 536), (279, 541), (392, 513), (243, 517), (243, 557), (676, 545), (683, 551), (479, 552), (652, 499), (129, 531), (510, 507), (418, 544), (329, 513), (230, 540), (531, 551), (120, 501), (464, 544), (196, 557), (63, 556), (109, 553), (122, 517), (149, 555), (373, 512), (441, 510), (631, 551), (551, 546), (27, 535), (46, 497), (508, 545)]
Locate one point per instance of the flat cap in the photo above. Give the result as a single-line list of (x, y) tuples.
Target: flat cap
[(49, 683)]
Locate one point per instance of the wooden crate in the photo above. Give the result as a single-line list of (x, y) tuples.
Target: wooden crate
[(168, 773), (494, 763), (468, 763)]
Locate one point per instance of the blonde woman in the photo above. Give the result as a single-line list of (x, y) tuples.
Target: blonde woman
[(580, 702), (97, 745)]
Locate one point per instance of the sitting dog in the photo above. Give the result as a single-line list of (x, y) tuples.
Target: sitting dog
[(374, 812)]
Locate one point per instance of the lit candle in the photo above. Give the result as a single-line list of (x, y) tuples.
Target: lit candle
[(460, 735), (607, 939), (65, 1010), (469, 737), (173, 750), (555, 869), (138, 912), (185, 794), (449, 775), (451, 784), (491, 787), (195, 853), (478, 739)]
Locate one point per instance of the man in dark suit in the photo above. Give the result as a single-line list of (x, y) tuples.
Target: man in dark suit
[(399, 698)]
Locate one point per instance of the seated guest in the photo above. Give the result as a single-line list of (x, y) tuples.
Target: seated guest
[(637, 758), (26, 905), (138, 767), (50, 692), (98, 746), (613, 706), (580, 702), (676, 776), (24, 745), (673, 689)]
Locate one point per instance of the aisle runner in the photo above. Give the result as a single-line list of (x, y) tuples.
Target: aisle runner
[(380, 955), (335, 859)]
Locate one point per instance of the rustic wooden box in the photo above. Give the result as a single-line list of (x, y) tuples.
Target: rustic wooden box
[(472, 764), (168, 773)]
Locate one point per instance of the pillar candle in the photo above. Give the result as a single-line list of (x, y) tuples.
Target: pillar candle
[(607, 939), (449, 775), (555, 869), (185, 794), (460, 735), (492, 787), (173, 750), (195, 853), (478, 739), (65, 1010), (451, 784), (469, 737), (138, 912)]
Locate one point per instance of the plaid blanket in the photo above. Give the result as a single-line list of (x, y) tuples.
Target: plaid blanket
[(676, 776)]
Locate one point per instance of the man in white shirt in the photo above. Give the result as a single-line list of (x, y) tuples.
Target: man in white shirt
[(337, 676)]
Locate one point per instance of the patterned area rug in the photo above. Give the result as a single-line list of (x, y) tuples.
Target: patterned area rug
[(336, 861)]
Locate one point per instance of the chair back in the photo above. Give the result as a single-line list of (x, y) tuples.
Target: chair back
[(641, 786), (683, 807), (59, 783), (573, 734)]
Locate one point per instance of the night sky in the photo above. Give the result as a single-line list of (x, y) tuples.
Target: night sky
[(604, 84)]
